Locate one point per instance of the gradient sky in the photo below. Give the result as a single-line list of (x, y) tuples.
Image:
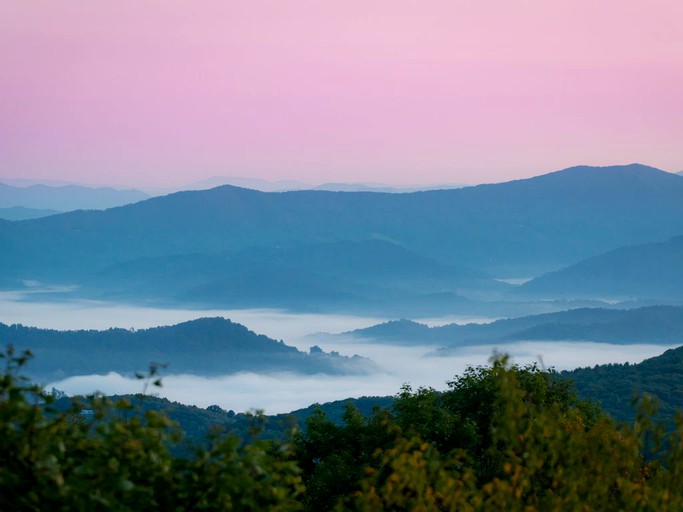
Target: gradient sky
[(141, 93)]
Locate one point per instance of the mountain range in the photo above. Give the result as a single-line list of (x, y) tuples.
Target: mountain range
[(366, 274), (653, 271), (291, 185), (223, 244), (67, 197), (652, 324), (207, 346)]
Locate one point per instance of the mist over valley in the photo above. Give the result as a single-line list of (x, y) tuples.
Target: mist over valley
[(243, 291)]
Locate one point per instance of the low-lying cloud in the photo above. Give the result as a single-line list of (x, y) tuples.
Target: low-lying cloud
[(285, 392)]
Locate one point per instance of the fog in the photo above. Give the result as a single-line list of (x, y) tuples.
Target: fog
[(275, 393)]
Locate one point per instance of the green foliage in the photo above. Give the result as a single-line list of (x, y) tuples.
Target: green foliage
[(462, 416), (104, 455), (333, 457), (543, 456), (616, 385), (499, 438)]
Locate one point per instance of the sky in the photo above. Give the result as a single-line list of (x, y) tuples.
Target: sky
[(167, 92)]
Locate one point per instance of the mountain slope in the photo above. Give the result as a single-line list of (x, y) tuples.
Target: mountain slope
[(654, 324), (516, 228), (614, 386), (652, 271), (207, 346), (21, 213), (354, 272)]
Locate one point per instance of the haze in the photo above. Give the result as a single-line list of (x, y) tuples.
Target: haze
[(283, 392)]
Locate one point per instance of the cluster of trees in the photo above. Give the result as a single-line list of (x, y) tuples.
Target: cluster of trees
[(500, 437), (613, 386)]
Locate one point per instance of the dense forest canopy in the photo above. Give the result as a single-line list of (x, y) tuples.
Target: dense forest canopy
[(500, 437)]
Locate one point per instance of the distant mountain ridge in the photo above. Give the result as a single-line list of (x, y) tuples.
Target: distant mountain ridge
[(517, 228), (384, 188), (207, 346), (292, 185), (67, 197), (356, 274), (263, 185), (653, 324), (653, 271), (21, 213)]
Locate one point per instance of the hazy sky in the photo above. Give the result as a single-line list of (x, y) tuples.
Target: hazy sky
[(166, 92)]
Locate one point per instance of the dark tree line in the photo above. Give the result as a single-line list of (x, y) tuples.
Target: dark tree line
[(500, 437)]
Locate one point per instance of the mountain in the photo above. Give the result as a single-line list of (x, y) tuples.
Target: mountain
[(67, 197), (614, 386), (27, 182), (653, 324), (21, 213), (251, 183), (381, 187), (512, 229), (290, 185), (207, 346), (650, 271), (352, 274)]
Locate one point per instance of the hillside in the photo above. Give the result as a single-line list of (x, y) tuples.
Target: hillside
[(207, 346), (198, 422), (653, 324), (615, 386), (517, 228), (647, 271), (370, 274)]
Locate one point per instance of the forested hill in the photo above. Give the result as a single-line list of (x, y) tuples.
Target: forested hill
[(207, 346), (615, 385), (652, 324)]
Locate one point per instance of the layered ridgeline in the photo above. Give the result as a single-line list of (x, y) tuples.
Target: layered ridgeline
[(207, 346), (515, 229), (648, 271), (653, 324), (67, 197), (367, 274)]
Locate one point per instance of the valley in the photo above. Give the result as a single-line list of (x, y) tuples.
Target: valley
[(363, 290)]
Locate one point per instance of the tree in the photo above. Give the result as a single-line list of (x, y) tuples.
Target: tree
[(545, 451), (121, 458)]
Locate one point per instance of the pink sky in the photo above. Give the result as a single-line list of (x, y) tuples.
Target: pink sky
[(135, 92)]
